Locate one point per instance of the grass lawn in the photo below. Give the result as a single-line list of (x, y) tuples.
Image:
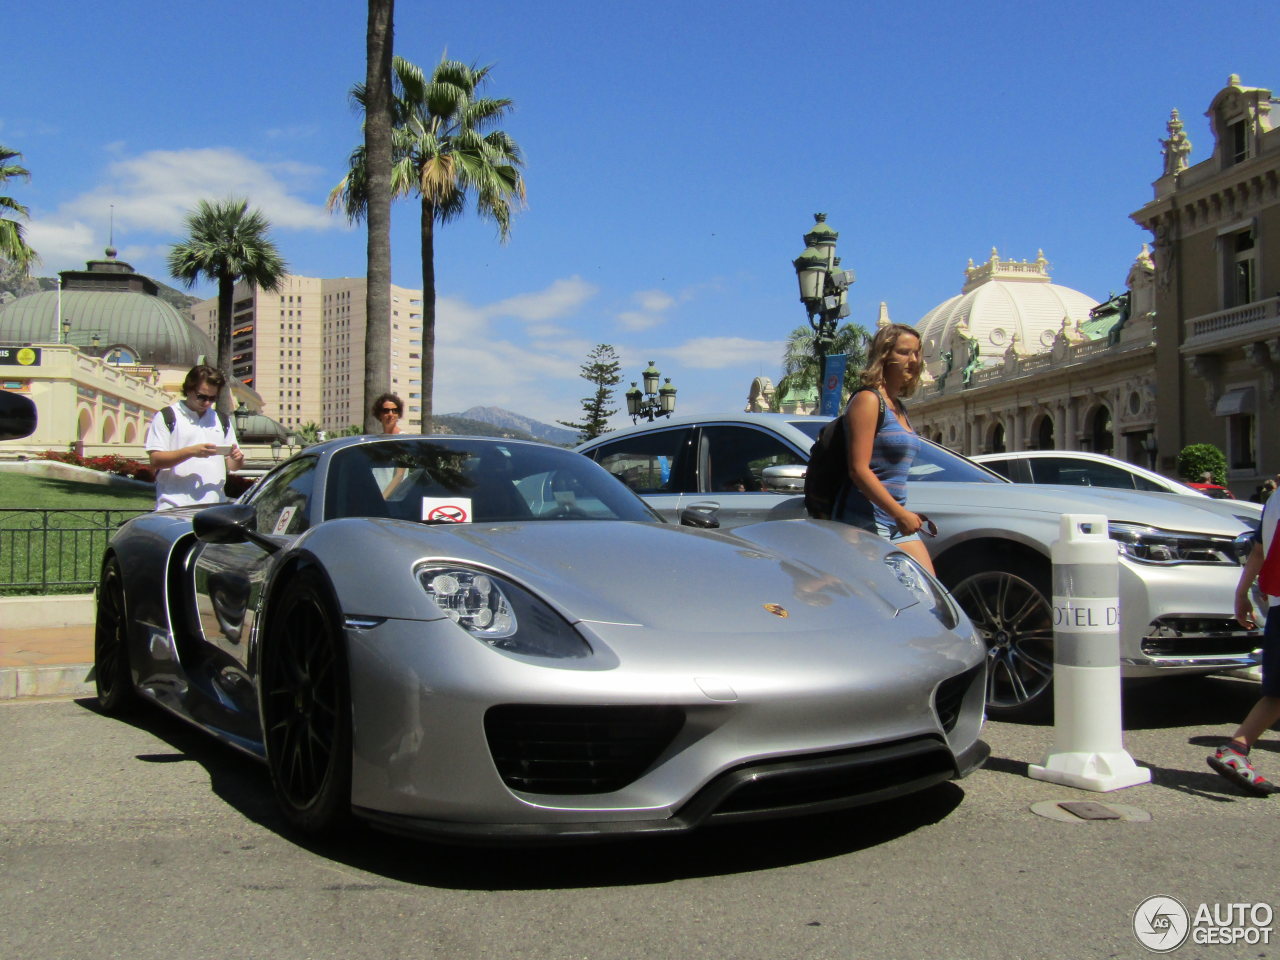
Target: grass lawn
[(64, 555), (28, 491)]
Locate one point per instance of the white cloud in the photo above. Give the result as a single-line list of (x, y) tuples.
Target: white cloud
[(654, 300), (718, 353), (562, 298), (633, 320), (153, 192)]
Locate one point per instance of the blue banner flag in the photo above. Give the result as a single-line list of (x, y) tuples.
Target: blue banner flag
[(833, 384)]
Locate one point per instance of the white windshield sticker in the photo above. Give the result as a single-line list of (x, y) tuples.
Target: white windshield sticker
[(282, 522), (446, 509)]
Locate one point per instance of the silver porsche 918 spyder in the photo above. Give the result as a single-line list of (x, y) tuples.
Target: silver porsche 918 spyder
[(496, 640)]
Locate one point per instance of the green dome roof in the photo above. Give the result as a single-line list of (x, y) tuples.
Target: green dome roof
[(110, 300), (151, 329)]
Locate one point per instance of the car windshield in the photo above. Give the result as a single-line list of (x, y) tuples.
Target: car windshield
[(443, 480), (932, 462)]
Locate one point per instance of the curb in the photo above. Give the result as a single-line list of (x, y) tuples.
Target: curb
[(70, 680), (61, 610), (20, 614)]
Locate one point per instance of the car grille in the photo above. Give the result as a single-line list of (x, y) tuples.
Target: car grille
[(1190, 636), (576, 750), (949, 696), (828, 781)]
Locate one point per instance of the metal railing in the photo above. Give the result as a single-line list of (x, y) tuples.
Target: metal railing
[(54, 551)]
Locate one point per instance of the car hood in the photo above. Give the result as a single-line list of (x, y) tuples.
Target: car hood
[(1168, 511), (673, 577), (676, 580)]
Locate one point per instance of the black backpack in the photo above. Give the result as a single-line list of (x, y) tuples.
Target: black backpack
[(829, 464), (171, 419)]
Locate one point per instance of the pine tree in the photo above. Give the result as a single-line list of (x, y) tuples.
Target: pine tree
[(602, 369)]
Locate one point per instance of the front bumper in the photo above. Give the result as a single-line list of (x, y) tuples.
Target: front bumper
[(766, 790), (1181, 619), (792, 739)]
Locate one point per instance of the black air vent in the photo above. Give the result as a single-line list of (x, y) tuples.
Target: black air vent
[(575, 750), (950, 695)]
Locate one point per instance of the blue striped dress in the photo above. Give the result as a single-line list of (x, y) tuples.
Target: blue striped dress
[(892, 452)]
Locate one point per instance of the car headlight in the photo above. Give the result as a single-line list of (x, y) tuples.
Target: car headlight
[(500, 613), (1146, 544), (925, 588)]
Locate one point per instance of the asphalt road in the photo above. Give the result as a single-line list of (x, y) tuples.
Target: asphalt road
[(148, 841)]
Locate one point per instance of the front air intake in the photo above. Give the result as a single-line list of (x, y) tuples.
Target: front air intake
[(577, 750)]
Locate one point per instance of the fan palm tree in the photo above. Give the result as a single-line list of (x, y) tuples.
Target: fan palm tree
[(444, 149), (227, 243), (13, 245), (377, 145), (800, 365)]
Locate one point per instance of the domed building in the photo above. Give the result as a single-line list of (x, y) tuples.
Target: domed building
[(99, 357), (112, 310), (1017, 362), (1004, 305)]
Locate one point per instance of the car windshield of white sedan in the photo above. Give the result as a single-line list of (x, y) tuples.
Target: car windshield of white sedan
[(441, 480)]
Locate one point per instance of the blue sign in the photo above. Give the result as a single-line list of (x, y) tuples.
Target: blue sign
[(833, 384)]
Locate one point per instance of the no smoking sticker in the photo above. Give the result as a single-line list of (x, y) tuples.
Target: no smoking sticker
[(446, 509)]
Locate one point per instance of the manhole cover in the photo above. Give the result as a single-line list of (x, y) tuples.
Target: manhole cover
[(1083, 811)]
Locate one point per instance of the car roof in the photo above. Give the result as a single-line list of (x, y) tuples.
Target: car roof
[(779, 422)]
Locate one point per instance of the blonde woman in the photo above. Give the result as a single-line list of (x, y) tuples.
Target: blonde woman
[(882, 446)]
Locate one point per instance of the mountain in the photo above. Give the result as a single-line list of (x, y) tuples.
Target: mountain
[(461, 426), (19, 285), (507, 420)]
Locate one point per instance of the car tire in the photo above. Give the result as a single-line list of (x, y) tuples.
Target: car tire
[(1013, 613), (306, 708), (112, 676)]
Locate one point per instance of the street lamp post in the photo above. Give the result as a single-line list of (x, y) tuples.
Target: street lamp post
[(824, 288), (654, 401)]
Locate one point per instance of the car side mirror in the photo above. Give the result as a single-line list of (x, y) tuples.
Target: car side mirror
[(785, 478), (705, 516), (231, 523)]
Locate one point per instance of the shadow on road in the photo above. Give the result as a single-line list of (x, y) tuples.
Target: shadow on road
[(243, 784), (1187, 702)]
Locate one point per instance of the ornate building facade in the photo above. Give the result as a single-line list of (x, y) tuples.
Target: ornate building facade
[(1189, 354), (1216, 226), (1017, 362)]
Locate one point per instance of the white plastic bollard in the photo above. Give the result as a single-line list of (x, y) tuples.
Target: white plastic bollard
[(1088, 744)]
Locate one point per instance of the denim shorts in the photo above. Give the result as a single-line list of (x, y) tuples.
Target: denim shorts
[(891, 533)]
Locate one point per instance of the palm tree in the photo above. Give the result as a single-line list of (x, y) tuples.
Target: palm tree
[(227, 242), (800, 364), (444, 149), (13, 245), (377, 145)]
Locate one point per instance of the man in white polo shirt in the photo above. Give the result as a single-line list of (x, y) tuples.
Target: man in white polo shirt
[(192, 448), (1232, 758)]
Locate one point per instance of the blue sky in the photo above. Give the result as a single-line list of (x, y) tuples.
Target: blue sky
[(675, 155)]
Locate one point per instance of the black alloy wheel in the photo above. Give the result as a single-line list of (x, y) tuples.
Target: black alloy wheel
[(1014, 617), (111, 674), (306, 708)]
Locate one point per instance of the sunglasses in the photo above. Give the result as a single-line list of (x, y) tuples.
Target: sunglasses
[(395, 410), (207, 398)]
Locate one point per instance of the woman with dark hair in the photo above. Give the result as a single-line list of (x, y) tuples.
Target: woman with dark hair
[(388, 409), (882, 445)]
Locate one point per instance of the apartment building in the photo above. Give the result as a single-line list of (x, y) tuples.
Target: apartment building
[(302, 348)]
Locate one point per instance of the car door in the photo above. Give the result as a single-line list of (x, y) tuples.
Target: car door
[(731, 462), (658, 465), (227, 578)]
